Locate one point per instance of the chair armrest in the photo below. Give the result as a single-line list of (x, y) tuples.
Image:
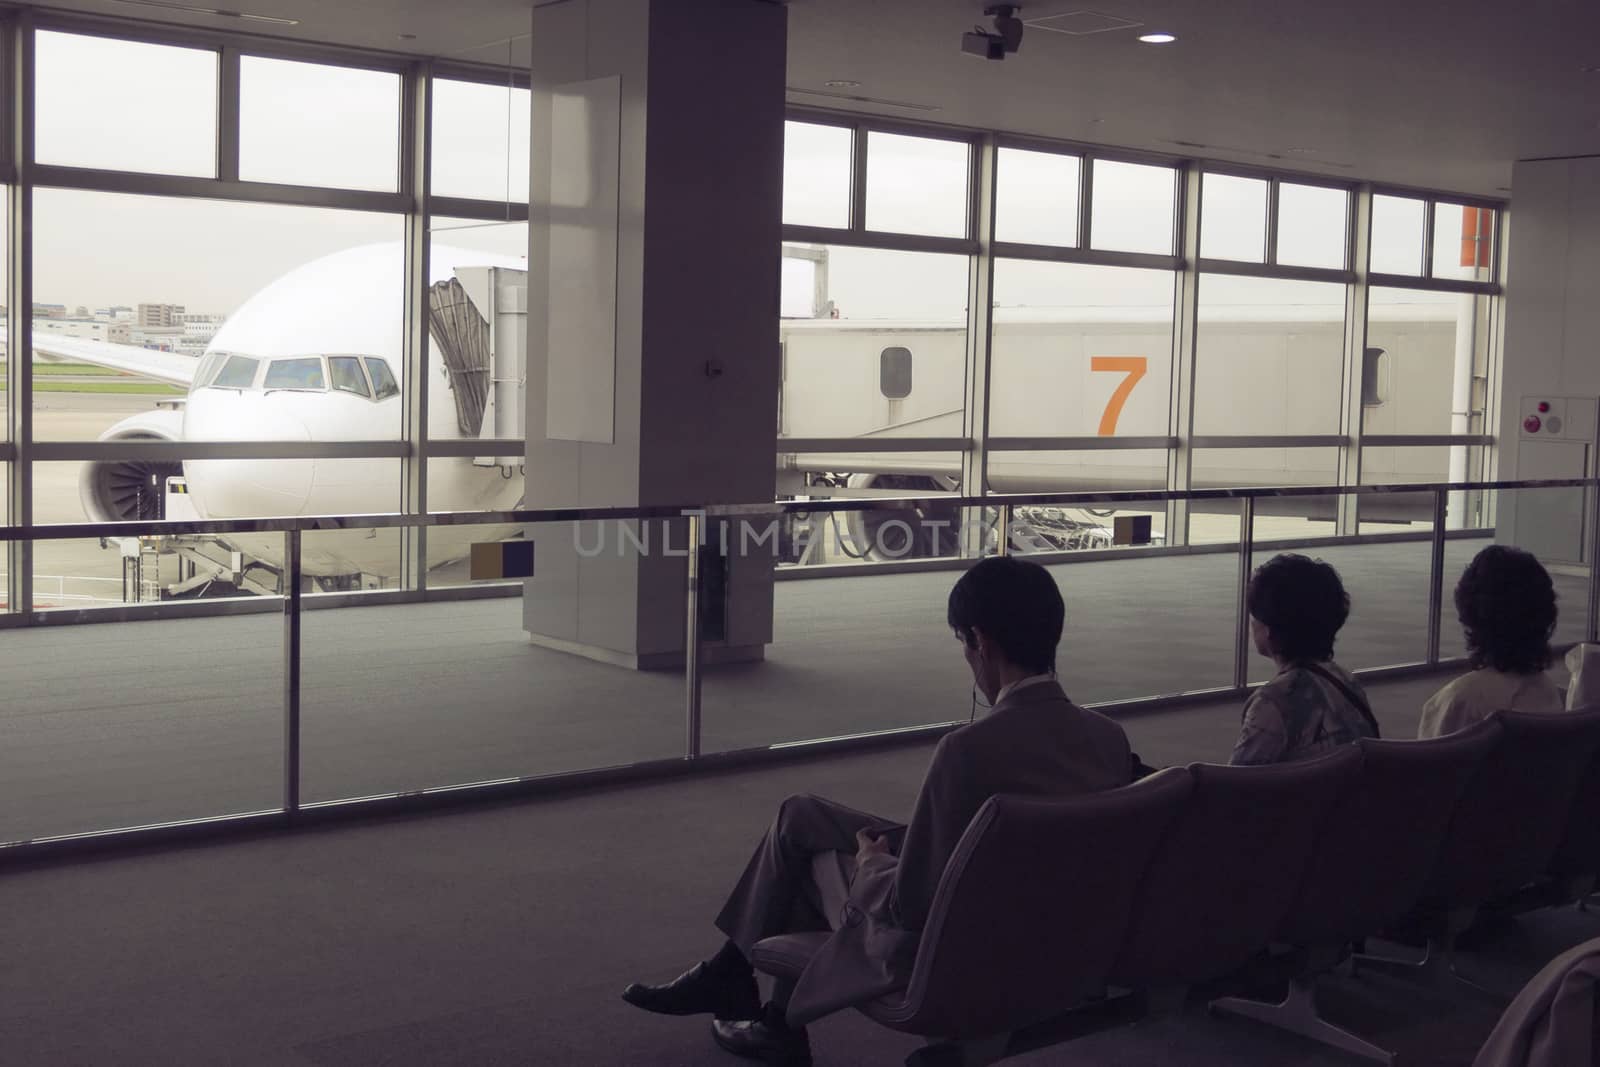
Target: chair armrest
[(786, 955)]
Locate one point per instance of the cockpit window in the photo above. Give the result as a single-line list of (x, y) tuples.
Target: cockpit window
[(382, 378), (238, 373), (346, 374), (209, 364), (304, 373)]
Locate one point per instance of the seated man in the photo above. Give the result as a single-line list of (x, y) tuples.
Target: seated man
[(824, 865), (1507, 607), (1313, 705)]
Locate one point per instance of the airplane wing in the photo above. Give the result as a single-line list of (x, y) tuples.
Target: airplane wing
[(162, 366)]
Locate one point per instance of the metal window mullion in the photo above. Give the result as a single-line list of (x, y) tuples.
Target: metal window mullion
[(1428, 206), (19, 315), (228, 90), (980, 345), (858, 178), (1085, 202), (1271, 257), (414, 181), (1352, 414), (1185, 350)]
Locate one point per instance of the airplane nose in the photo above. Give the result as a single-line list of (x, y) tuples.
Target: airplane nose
[(245, 488)]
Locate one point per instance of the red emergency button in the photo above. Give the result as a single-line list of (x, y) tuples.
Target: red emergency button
[(1544, 406), (1531, 424)]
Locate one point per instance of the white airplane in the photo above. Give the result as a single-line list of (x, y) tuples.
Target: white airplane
[(316, 356)]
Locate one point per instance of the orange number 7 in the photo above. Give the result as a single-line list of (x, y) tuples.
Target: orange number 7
[(1134, 367)]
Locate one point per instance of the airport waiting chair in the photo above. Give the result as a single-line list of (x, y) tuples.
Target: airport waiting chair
[(1504, 831), (1368, 866), (1029, 914), (1229, 869), (1574, 868)]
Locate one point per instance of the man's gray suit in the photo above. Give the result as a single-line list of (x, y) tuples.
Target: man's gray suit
[(803, 874)]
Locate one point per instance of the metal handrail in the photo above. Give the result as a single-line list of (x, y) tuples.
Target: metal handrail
[(292, 804), (391, 520)]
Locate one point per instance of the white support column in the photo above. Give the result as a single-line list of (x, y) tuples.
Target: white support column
[(1355, 352), (19, 315), (653, 280)]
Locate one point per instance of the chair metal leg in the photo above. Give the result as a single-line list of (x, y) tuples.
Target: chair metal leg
[(1297, 1014), (1437, 967)]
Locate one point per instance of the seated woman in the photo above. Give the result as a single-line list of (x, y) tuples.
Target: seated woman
[(1313, 705), (1507, 607)]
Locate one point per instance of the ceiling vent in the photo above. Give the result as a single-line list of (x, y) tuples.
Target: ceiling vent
[(1082, 23)]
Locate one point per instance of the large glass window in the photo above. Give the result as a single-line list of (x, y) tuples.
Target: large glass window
[(817, 161), (1312, 223), (1398, 223), (1269, 356), (480, 141), (917, 185), (1463, 242), (1080, 350), (1134, 207), (1427, 362), (887, 354), (1233, 219), (125, 105), (290, 131), (1036, 197)]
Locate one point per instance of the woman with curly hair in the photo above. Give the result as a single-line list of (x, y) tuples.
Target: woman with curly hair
[(1507, 607)]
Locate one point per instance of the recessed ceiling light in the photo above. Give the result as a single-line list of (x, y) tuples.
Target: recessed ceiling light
[(1301, 151), (842, 83), (1157, 38), (407, 36)]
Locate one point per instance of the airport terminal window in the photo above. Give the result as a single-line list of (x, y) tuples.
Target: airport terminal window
[(1463, 242), (173, 278), (1233, 218), (1036, 197), (1133, 207), (917, 185), (1269, 356), (1080, 351), (871, 300), (347, 377), (289, 134), (305, 373), (480, 141), (817, 160), (383, 384), (1312, 224), (1397, 226), (239, 372), (124, 105), (1435, 363)]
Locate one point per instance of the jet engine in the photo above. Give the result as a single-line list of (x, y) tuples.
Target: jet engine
[(131, 490), (888, 533)]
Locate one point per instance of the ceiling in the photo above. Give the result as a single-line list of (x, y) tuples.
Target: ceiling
[(1413, 92)]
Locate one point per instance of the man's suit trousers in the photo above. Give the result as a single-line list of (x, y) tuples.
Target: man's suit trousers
[(799, 875)]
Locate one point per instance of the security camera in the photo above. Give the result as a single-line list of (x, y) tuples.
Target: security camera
[(1005, 39)]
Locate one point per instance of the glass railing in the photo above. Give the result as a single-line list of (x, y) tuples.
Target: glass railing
[(241, 671)]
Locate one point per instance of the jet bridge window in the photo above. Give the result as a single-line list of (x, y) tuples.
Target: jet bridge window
[(383, 382), (238, 373), (347, 377), (302, 373)]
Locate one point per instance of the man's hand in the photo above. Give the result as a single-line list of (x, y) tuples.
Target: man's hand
[(868, 846)]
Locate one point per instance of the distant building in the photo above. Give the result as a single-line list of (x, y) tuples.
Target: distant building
[(159, 316), (85, 328), (49, 311), (119, 333)]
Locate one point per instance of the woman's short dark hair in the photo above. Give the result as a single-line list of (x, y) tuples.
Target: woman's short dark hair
[(1017, 606), (1507, 607), (1301, 602)]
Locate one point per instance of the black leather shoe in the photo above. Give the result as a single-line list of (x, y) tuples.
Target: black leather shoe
[(766, 1039), (698, 990)]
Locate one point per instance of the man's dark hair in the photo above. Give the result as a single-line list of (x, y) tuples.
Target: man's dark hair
[(1302, 603), (1507, 607), (1017, 606)]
